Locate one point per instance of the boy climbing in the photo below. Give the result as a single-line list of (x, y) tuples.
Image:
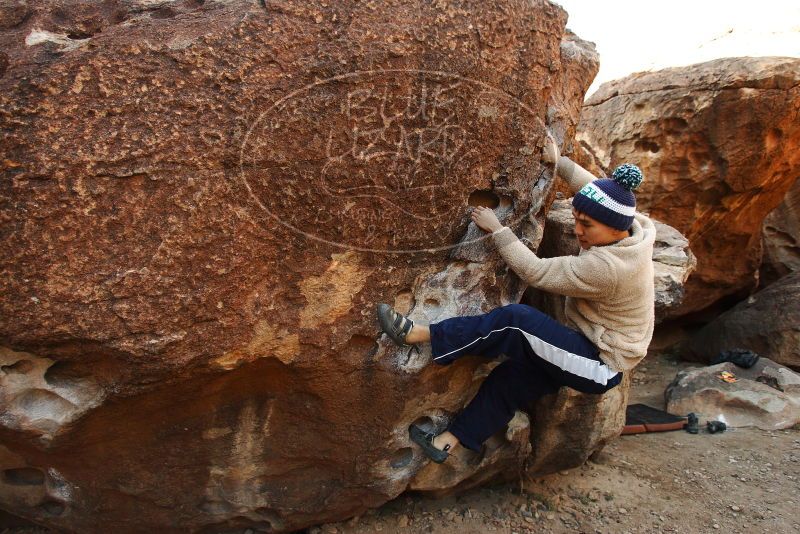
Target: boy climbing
[(609, 309)]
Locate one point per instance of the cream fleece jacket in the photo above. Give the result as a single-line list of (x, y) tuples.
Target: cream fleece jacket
[(610, 289)]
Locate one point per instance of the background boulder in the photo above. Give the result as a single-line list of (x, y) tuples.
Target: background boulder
[(781, 235), (766, 395), (767, 323), (718, 144)]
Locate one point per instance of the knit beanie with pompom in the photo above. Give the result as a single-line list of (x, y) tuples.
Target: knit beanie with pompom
[(611, 200)]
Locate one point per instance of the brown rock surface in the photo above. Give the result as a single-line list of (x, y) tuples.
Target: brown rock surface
[(569, 426), (781, 234), (768, 323), (718, 143), (201, 204)]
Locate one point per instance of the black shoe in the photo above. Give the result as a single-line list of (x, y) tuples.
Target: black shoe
[(741, 357), (395, 324), (715, 426), (692, 427), (425, 440)]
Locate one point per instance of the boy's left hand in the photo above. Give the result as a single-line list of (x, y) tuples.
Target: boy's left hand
[(485, 219)]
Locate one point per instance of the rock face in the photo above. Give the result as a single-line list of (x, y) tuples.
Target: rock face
[(781, 235), (718, 144), (672, 260), (202, 202), (568, 426), (768, 323), (766, 395)]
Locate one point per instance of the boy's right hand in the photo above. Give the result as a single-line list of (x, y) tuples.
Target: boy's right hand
[(550, 151)]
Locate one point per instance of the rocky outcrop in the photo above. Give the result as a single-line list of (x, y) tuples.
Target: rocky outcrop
[(718, 144), (767, 323), (766, 395), (673, 262), (557, 442), (781, 235), (202, 202)]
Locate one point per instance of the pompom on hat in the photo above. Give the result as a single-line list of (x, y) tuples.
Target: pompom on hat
[(611, 200)]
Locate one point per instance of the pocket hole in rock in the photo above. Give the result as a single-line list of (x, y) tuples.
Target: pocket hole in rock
[(425, 423), (62, 374), (24, 476), (484, 197), (22, 367), (80, 34), (404, 301), (401, 458), (645, 145), (52, 507), (431, 303)]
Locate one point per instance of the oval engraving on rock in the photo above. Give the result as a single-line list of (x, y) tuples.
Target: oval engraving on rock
[(383, 160)]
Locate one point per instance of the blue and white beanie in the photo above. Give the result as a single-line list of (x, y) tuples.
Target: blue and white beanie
[(611, 200)]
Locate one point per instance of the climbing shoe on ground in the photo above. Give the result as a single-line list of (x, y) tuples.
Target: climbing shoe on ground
[(425, 440), (741, 357), (692, 427), (715, 426), (395, 324)]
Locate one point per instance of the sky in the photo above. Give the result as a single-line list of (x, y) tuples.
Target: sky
[(636, 35)]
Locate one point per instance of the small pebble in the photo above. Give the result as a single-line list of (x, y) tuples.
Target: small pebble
[(623, 511)]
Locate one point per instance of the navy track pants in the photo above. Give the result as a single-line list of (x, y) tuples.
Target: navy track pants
[(543, 355)]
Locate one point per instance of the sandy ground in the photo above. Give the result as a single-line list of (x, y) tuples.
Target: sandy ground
[(742, 481)]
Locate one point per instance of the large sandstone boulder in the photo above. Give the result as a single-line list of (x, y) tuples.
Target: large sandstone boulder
[(768, 323), (766, 395), (719, 145), (202, 203), (781, 235), (567, 427)]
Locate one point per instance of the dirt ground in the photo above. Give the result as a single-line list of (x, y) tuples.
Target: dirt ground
[(744, 480)]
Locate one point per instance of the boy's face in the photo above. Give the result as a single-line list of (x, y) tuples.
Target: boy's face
[(591, 232)]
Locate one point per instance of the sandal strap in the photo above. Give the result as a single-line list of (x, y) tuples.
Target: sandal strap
[(402, 325)]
